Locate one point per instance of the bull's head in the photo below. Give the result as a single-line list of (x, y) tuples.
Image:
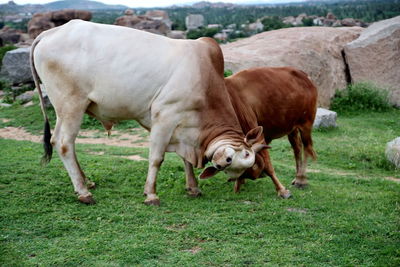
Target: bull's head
[(235, 158)]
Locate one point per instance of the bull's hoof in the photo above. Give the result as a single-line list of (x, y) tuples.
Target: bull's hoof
[(285, 194), (300, 184), (88, 199), (90, 184), (193, 192), (153, 201)]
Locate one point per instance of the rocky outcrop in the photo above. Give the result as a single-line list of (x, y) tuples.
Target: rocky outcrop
[(314, 50), (142, 23), (159, 15), (44, 21), (325, 119), (393, 152), (375, 56), (15, 66), (11, 36)]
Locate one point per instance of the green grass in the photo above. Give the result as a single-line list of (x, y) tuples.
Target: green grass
[(31, 119), (348, 216)]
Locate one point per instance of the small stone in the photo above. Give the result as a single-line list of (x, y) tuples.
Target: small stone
[(25, 97), (393, 152), (325, 119), (5, 105), (30, 103)]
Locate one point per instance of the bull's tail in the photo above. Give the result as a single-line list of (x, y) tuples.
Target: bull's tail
[(48, 148)]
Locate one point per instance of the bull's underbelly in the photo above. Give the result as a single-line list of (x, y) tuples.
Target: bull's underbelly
[(111, 113)]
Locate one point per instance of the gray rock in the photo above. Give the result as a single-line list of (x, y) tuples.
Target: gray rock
[(5, 105), (325, 118), (30, 103), (315, 50), (375, 55), (16, 67), (25, 97), (393, 152)]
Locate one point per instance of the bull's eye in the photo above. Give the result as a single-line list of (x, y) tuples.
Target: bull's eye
[(246, 154), (229, 160)]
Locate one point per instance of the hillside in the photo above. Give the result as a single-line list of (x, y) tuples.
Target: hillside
[(12, 8), (82, 4)]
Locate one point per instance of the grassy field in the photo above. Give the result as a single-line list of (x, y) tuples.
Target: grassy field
[(348, 216)]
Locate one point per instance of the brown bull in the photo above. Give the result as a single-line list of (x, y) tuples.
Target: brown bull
[(283, 101)]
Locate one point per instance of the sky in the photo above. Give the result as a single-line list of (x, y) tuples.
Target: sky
[(152, 3)]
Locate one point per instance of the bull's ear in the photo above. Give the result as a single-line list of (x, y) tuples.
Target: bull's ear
[(208, 172), (258, 147), (254, 135)]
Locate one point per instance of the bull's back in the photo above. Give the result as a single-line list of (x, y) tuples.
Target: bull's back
[(117, 68), (281, 98)]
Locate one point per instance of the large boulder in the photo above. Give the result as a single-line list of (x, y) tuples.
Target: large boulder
[(44, 21), (393, 152), (375, 56), (11, 36), (16, 66), (142, 23), (315, 50)]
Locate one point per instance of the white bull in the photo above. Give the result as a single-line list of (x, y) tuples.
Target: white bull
[(173, 88)]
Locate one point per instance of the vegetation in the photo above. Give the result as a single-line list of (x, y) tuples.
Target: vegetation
[(228, 73), (361, 96), (202, 32), (348, 216), (368, 11), (274, 23)]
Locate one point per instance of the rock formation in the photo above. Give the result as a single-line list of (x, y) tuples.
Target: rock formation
[(375, 56), (44, 21), (145, 23), (15, 67), (315, 50)]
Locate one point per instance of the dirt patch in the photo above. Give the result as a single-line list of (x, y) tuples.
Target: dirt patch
[(313, 170), (97, 153), (4, 120), (18, 134), (133, 157), (120, 139), (397, 180), (193, 250), (297, 210)]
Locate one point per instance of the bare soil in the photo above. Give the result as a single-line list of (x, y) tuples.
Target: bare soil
[(120, 139)]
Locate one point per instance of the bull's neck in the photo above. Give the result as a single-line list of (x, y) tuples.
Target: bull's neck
[(220, 124), (245, 114)]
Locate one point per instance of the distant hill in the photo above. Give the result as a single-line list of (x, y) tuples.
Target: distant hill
[(12, 8), (82, 4)]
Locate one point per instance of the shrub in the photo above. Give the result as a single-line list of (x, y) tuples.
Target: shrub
[(228, 73), (273, 23), (361, 96)]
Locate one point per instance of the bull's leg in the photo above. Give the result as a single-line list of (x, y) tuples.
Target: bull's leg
[(160, 136), (192, 187), (269, 169), (301, 180), (239, 181), (63, 139), (308, 151)]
